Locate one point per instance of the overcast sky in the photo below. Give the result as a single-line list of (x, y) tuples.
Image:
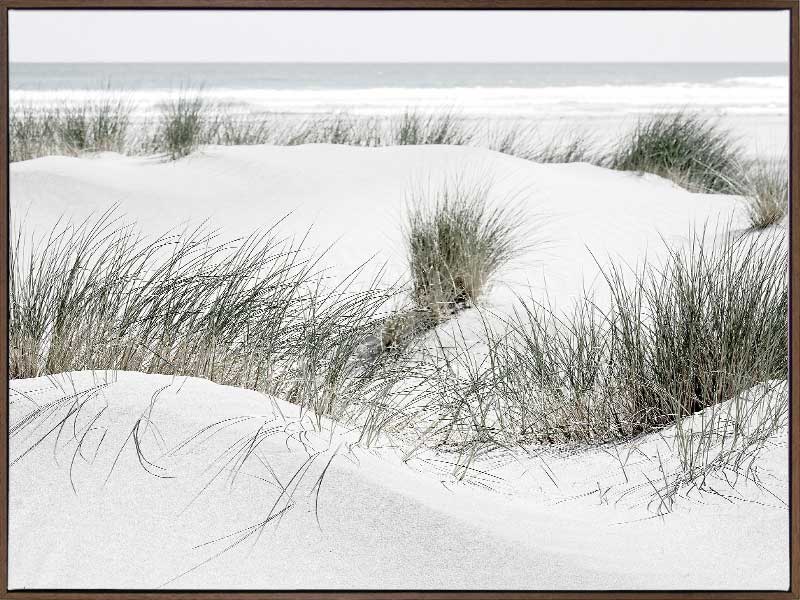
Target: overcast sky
[(397, 36)]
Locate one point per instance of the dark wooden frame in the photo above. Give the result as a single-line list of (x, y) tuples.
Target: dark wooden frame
[(793, 6)]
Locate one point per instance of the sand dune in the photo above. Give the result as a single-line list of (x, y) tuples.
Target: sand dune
[(353, 200), (127, 494), (373, 522)]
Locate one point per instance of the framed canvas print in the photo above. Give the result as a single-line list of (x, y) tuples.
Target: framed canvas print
[(399, 300)]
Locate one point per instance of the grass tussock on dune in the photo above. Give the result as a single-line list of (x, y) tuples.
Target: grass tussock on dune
[(181, 125), (703, 328), (678, 337), (695, 152), (94, 295), (456, 242), (525, 141), (766, 186)]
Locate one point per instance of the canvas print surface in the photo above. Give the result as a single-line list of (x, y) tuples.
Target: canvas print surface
[(398, 300)]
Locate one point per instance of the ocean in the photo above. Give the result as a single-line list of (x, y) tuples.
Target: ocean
[(752, 98)]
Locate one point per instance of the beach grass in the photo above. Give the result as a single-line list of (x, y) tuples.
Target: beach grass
[(708, 325), (334, 128), (695, 346), (237, 130), (95, 295), (181, 124), (110, 125), (32, 133), (70, 129), (701, 328), (569, 147), (456, 242), (525, 141), (415, 128), (188, 120), (695, 152), (765, 184)]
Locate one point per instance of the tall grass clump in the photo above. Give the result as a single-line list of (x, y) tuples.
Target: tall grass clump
[(75, 128), (109, 125), (685, 147), (765, 184), (708, 325), (181, 125), (414, 128), (551, 370), (95, 127), (568, 147), (702, 327), (456, 242), (94, 295), (253, 313)]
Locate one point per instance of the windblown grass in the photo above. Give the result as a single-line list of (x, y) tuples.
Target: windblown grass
[(694, 345), (569, 147), (100, 126), (704, 327), (726, 439), (188, 120), (550, 372), (240, 130), (94, 295), (707, 326), (181, 125), (32, 133), (97, 127), (765, 183), (685, 147), (336, 128), (525, 141), (109, 126), (414, 128), (253, 313), (456, 242)]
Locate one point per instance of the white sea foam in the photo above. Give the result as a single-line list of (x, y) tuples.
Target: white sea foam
[(772, 82), (744, 95)]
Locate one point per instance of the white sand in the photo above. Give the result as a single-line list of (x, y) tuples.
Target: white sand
[(354, 198), (539, 521), (382, 524)]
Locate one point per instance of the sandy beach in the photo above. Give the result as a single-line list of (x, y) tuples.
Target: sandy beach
[(316, 507)]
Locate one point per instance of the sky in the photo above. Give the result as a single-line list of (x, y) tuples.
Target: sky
[(397, 36)]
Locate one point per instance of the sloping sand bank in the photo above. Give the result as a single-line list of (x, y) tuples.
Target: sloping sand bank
[(127, 494), (125, 480), (353, 201)]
